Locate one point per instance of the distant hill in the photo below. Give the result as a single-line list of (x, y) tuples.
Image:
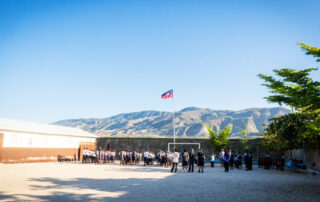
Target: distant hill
[(189, 122)]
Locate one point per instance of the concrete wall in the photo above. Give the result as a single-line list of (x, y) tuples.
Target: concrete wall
[(156, 144), (310, 157)]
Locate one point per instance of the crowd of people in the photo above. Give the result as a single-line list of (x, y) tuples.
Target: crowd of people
[(88, 156), (229, 160), (98, 156), (188, 160), (268, 163), (129, 157)]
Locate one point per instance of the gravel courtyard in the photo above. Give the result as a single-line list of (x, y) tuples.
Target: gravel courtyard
[(76, 181)]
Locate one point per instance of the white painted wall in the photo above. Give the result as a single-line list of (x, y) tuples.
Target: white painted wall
[(29, 140)]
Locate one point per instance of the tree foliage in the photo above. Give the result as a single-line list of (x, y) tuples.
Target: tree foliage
[(244, 139), (310, 50), (289, 132), (296, 89), (219, 140)]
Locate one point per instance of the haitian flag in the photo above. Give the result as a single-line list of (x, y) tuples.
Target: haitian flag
[(168, 94)]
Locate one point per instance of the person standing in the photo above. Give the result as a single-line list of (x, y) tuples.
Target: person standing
[(283, 159), (221, 157), (250, 160), (185, 159), (226, 158), (200, 160), (239, 161), (84, 155), (231, 159), (145, 157), (212, 158), (191, 160), (175, 161), (246, 160), (133, 157), (236, 162), (267, 161)]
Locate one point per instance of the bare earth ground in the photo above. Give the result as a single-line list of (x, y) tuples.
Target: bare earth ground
[(76, 181)]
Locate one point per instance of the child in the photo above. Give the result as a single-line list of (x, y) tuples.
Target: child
[(212, 157)]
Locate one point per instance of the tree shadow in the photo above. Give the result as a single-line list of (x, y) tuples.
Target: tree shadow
[(141, 168), (131, 189), (7, 197)]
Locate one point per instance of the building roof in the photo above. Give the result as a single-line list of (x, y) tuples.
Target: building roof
[(30, 127)]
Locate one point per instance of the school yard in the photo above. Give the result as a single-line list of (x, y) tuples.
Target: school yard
[(76, 181)]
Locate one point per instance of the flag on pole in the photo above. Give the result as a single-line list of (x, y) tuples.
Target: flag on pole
[(168, 94)]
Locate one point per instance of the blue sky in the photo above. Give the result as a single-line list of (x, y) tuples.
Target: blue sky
[(94, 59)]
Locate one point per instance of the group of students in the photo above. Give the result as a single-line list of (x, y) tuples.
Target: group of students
[(268, 163), (98, 156), (188, 160), (164, 158), (129, 157), (88, 156), (148, 157), (230, 159)]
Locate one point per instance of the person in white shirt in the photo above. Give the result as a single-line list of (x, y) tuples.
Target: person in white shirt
[(175, 161), (221, 157), (84, 155), (212, 157), (145, 157)]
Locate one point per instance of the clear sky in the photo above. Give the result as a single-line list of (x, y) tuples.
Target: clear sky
[(94, 59)]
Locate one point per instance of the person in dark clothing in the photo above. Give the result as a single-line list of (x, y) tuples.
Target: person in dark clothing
[(226, 158), (231, 160), (250, 161), (191, 161), (246, 160), (239, 161), (267, 161), (133, 157), (200, 160), (185, 160), (283, 159)]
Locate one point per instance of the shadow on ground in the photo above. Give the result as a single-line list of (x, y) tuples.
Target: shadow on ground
[(7, 197), (259, 185)]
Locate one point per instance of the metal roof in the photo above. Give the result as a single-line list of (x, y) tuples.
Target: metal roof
[(31, 127)]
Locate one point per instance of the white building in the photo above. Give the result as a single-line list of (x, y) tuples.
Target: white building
[(25, 141)]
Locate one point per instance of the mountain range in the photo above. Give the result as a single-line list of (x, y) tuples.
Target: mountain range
[(189, 122)]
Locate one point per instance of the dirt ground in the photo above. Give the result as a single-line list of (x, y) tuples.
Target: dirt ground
[(88, 182)]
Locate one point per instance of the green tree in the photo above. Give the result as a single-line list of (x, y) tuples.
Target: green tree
[(219, 140), (287, 132), (312, 132), (244, 139), (296, 89)]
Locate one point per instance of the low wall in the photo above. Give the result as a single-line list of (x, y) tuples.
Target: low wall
[(156, 144)]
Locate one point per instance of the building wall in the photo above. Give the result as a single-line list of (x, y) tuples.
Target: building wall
[(21, 155), (1, 141), (31, 140), (29, 147)]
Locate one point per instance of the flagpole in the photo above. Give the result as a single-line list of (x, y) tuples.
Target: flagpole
[(173, 123)]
